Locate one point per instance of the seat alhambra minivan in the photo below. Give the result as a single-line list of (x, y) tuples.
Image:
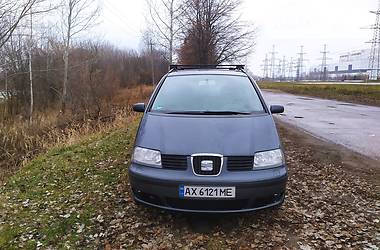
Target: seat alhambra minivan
[(207, 142)]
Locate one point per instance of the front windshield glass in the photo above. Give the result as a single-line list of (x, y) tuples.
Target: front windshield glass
[(207, 94)]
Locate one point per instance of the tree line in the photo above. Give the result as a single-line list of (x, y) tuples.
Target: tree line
[(96, 72), (45, 66), (45, 69)]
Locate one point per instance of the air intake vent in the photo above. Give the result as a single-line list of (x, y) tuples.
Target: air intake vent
[(178, 162), (240, 163)]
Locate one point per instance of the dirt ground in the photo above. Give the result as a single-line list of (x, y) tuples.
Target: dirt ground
[(332, 202)]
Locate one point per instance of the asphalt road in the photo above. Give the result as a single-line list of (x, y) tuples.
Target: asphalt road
[(354, 126)]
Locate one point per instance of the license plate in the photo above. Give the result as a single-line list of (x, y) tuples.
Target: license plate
[(206, 192)]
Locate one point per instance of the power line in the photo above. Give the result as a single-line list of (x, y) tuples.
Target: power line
[(84, 63), (117, 14), (119, 24), (375, 48)]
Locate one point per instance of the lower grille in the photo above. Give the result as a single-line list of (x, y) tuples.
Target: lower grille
[(239, 163), (150, 198), (217, 205), (208, 165), (178, 162), (267, 200)]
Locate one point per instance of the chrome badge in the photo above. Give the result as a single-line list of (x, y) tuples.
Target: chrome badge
[(207, 165)]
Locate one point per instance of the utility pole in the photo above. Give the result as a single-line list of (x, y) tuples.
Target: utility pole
[(266, 67), (300, 64), (47, 59), (323, 76), (279, 69), (30, 67), (374, 58), (152, 61), (273, 62), (290, 69), (283, 74)]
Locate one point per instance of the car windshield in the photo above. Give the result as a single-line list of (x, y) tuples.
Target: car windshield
[(207, 94)]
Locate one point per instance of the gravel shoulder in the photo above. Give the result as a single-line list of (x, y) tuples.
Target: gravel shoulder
[(84, 201)]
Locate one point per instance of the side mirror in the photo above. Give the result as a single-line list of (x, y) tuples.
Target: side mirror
[(139, 107), (277, 109)]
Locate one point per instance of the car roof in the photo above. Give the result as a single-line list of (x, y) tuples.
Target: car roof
[(206, 72)]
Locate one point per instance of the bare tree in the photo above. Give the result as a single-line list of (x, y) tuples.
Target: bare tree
[(13, 12), (77, 16), (31, 69), (11, 16), (164, 16), (214, 33)]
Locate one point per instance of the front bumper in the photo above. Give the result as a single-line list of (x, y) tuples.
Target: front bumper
[(254, 189)]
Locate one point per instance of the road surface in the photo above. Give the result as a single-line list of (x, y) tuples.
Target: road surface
[(354, 126)]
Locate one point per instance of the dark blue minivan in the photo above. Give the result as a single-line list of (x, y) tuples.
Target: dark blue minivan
[(207, 142)]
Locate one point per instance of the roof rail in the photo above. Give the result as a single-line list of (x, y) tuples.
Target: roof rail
[(175, 67)]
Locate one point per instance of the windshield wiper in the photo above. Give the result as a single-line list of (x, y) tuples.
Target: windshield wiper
[(209, 113)]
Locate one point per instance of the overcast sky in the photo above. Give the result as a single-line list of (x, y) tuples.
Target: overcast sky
[(286, 23)]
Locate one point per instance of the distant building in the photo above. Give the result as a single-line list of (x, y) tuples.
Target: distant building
[(351, 65), (354, 59)]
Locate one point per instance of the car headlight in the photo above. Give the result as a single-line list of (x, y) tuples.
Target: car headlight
[(269, 159), (147, 157)]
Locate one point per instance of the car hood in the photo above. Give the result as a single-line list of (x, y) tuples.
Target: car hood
[(186, 135)]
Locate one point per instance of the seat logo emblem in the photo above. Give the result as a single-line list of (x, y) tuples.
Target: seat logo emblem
[(207, 165)]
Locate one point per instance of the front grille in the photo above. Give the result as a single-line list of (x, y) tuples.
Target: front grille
[(178, 162), (239, 163), (216, 164)]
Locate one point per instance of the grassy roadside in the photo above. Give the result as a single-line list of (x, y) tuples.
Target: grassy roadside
[(57, 198), (361, 94), (21, 141)]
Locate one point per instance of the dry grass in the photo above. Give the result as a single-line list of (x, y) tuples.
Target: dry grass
[(20, 141), (127, 97)]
